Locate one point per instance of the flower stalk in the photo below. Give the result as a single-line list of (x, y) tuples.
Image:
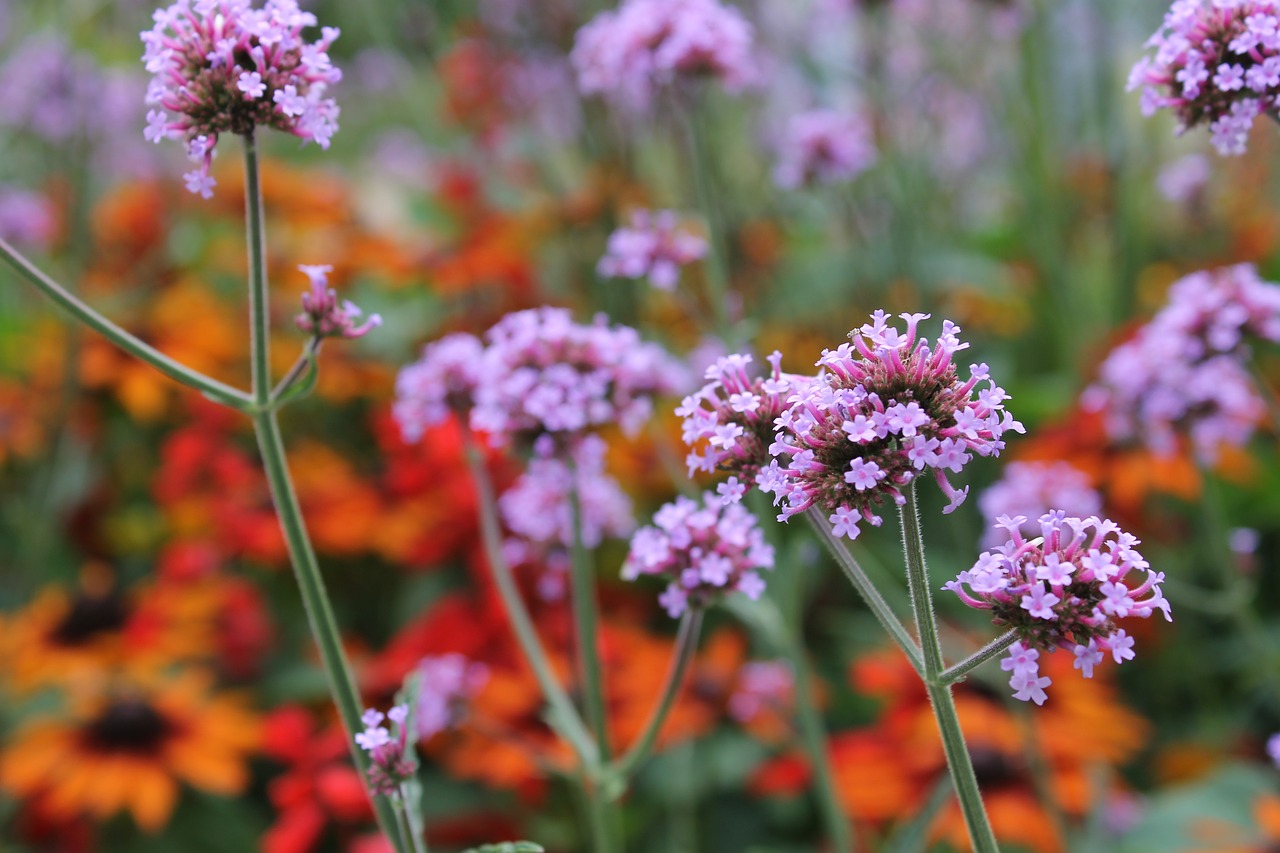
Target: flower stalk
[(958, 672), (586, 618)]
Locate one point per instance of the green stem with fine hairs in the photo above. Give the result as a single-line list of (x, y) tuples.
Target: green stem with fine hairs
[(957, 673)]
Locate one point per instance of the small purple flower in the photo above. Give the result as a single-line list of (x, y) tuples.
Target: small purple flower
[(27, 218), (391, 754), (703, 550), (1273, 749), (443, 381), (1064, 588), (889, 405), (762, 686), (1030, 489), (823, 147), (222, 66), (653, 246), (445, 684), (323, 316)]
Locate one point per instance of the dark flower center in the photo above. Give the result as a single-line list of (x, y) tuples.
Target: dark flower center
[(89, 616), (128, 725)]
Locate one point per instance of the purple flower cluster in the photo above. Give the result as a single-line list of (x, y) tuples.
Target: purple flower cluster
[(762, 686), (391, 754), (1063, 589), (823, 147), (653, 245), (729, 422), (445, 684), (1185, 371), (1030, 489), (703, 550), (888, 407), (27, 218), (323, 316), (1216, 62), (221, 66), (440, 383), (630, 52)]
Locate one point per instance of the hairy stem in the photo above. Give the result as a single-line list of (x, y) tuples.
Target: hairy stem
[(956, 673)]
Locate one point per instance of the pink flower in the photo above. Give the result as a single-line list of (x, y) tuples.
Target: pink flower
[(323, 316), (823, 147), (653, 246), (443, 381), (1030, 489), (445, 683), (391, 753)]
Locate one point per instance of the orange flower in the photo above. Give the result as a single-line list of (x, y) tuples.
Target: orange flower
[(129, 747)]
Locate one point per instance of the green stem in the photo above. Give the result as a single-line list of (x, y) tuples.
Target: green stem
[(1268, 393), (307, 359), (586, 618), (564, 717), (981, 656), (686, 645), (135, 346), (718, 260), (414, 830), (870, 594), (315, 600), (944, 706), (593, 806)]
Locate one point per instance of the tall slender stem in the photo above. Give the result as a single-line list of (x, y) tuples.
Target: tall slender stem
[(586, 618), (944, 706), (955, 673), (718, 261), (564, 716), (414, 830), (686, 645), (875, 601), (131, 344), (315, 600)]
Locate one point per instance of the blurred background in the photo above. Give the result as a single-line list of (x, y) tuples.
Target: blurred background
[(158, 688)]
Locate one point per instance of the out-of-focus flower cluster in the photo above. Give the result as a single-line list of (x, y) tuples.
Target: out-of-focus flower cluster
[(823, 147), (1030, 489), (655, 245)]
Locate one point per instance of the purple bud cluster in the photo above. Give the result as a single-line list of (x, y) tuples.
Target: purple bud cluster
[(1063, 589), (729, 422), (221, 66), (889, 406), (1216, 62), (762, 686), (1185, 372), (440, 383), (323, 315), (445, 684), (823, 147), (703, 550), (654, 246), (390, 753), (630, 52), (1030, 489)]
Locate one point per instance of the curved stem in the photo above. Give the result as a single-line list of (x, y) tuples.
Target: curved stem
[(586, 619), (875, 601), (686, 645), (564, 717), (309, 353), (131, 344), (955, 673), (944, 706)]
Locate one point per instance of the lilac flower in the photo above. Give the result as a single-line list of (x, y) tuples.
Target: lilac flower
[(1184, 179), (222, 66), (1273, 749), (1030, 489), (391, 754), (762, 686), (732, 399), (643, 45), (445, 684), (654, 245), (542, 373), (889, 406), (823, 147), (1216, 62), (1062, 589), (323, 316), (703, 550), (443, 381), (1184, 373)]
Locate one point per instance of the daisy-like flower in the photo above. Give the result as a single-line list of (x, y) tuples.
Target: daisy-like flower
[(823, 147), (1185, 372), (222, 66), (703, 550), (632, 51), (729, 422), (441, 383), (323, 315), (655, 246), (544, 374), (1030, 489), (1216, 62), (392, 760), (446, 683), (889, 407), (1063, 589)]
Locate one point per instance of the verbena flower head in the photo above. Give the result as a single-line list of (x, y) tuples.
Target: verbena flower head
[(222, 66), (889, 407), (390, 753), (446, 683), (703, 549), (729, 422), (1065, 588), (323, 315), (654, 245), (1216, 62), (823, 147), (762, 686), (544, 374), (1184, 373), (1030, 489), (441, 383), (643, 45)]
